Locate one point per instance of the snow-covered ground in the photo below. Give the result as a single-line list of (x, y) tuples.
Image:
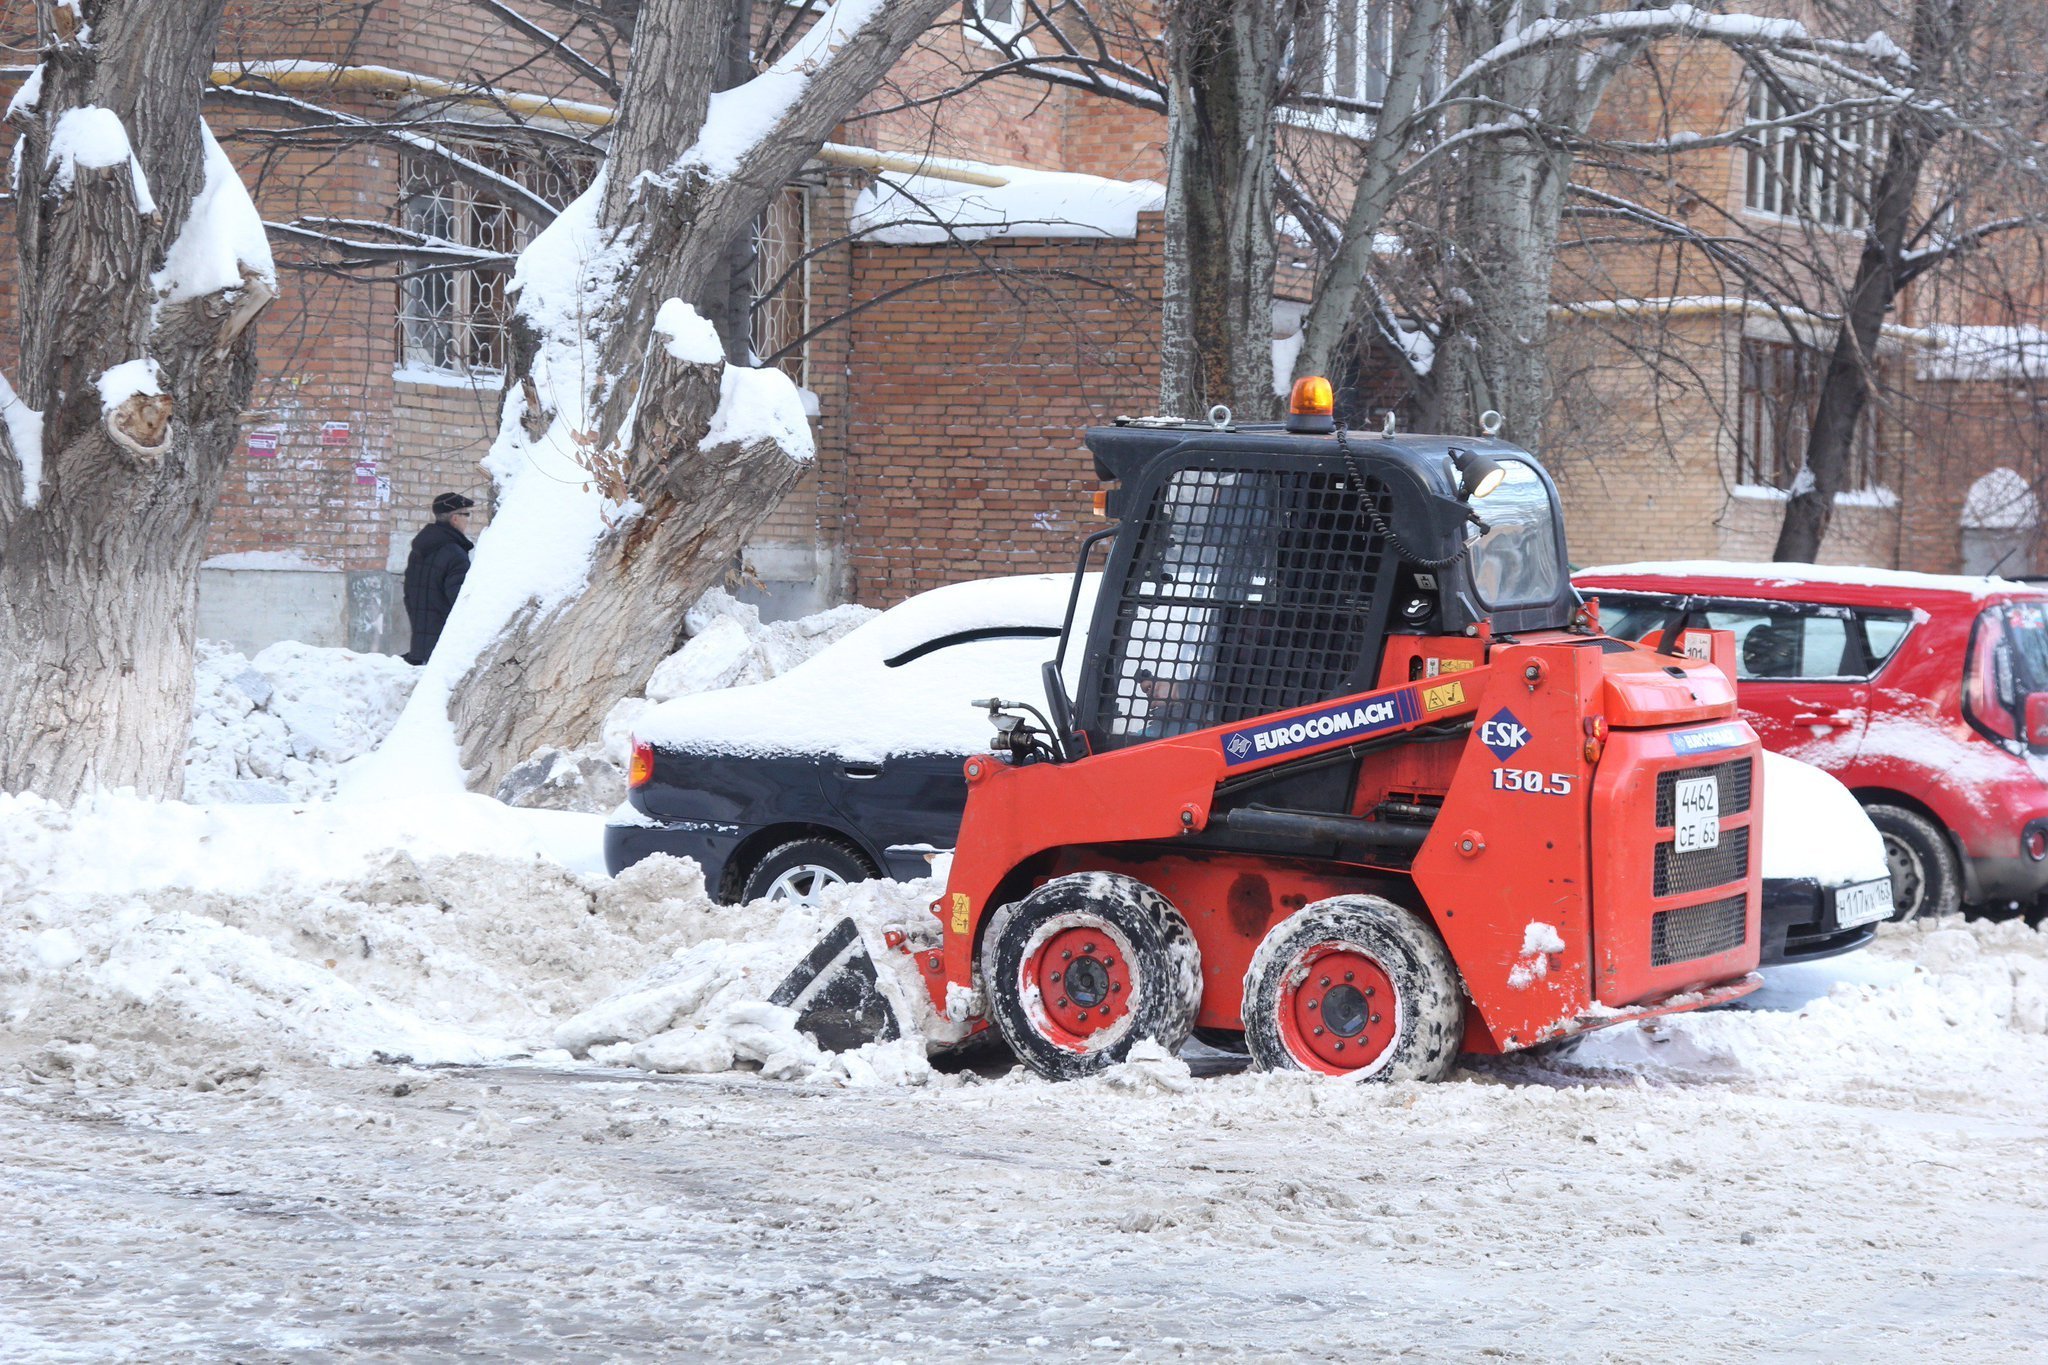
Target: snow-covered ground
[(207, 1149)]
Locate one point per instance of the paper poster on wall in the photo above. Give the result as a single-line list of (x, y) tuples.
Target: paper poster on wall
[(263, 444), (366, 471), (383, 488), (334, 433)]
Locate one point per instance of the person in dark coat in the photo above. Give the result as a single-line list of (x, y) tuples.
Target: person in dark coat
[(434, 572)]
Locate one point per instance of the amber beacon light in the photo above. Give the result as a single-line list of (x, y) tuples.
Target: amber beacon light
[(1312, 407)]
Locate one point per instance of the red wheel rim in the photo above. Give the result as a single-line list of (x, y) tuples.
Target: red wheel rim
[(1338, 1010), (1083, 978)]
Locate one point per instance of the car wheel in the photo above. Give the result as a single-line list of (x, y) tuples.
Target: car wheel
[(1084, 967), (801, 870), (1354, 986), (1927, 880)]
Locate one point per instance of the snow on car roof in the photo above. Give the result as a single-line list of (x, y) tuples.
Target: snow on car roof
[(1794, 575), (846, 701)]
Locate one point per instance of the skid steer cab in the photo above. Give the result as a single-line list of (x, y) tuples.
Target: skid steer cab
[(1348, 771)]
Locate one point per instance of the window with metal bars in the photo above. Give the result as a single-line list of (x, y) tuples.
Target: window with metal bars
[(782, 281), (1779, 389), (1819, 172), (1250, 591), (456, 320)]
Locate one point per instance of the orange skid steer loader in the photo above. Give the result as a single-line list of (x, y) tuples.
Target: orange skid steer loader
[(1347, 771)]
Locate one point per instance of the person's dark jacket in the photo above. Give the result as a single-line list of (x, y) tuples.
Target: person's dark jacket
[(433, 576)]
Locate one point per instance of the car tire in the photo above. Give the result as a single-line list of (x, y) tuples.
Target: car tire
[(1347, 959), (1143, 974), (802, 868), (1927, 878)]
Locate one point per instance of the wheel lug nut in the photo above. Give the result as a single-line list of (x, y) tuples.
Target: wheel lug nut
[(1325, 983), (1370, 992), (1375, 1018), (1054, 977), (1116, 985), (1063, 1002), (1087, 950), (1349, 975), (1319, 1033), (1066, 955), (1340, 1047), (1084, 1016), (1313, 1003)]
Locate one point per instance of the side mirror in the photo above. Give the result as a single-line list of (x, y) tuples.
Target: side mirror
[(2037, 719)]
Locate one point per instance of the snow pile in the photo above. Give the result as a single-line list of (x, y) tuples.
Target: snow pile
[(171, 942), (706, 1009), (914, 210), (729, 646), (1964, 352), (1959, 1006), (167, 940), (278, 727)]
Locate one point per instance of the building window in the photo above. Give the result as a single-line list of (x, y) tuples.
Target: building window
[(1818, 173), (782, 281), (1779, 390), (1358, 42), (999, 13), (456, 320)]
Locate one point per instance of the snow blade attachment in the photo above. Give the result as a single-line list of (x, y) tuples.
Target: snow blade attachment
[(837, 995)]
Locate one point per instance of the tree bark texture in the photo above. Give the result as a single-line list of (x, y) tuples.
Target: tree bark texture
[(1938, 29), (1223, 74), (549, 678), (1510, 203), (99, 571)]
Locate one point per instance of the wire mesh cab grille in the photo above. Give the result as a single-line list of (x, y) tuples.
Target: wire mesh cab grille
[(1251, 588), (1697, 869), (1732, 778), (1698, 930)]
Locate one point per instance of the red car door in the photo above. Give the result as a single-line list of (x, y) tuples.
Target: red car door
[(1800, 675)]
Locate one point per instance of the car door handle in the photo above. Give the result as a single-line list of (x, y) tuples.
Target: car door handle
[(1835, 718), (861, 772)]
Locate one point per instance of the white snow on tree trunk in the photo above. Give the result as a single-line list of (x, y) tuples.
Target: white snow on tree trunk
[(94, 139), (25, 435), (222, 239)]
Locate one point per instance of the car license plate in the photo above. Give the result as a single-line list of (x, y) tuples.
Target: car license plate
[(1698, 814), (1863, 903)]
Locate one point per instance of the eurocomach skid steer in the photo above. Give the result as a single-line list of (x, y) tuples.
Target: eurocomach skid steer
[(1349, 770)]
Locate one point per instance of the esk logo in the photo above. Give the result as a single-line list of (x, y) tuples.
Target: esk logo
[(1504, 734)]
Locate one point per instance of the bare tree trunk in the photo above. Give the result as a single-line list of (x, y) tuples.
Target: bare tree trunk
[(131, 387), (553, 667), (1881, 273), (1216, 346)]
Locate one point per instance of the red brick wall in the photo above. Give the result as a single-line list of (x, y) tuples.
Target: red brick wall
[(964, 456)]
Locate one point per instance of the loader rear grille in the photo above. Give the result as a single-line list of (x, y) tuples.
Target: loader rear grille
[(1732, 777), (1697, 869), (1698, 930)]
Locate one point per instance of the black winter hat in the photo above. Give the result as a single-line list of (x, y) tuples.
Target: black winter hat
[(452, 502)]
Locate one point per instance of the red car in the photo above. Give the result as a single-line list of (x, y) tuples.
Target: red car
[(1926, 695)]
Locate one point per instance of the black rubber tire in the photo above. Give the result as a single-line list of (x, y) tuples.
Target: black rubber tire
[(843, 860), (1927, 877), (1162, 960), (1428, 995)]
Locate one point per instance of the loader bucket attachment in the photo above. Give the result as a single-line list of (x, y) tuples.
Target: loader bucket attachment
[(837, 995)]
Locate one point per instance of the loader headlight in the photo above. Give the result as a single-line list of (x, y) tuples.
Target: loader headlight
[(1477, 475)]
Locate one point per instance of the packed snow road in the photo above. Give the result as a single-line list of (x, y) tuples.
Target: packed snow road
[(605, 1146), (554, 1215)]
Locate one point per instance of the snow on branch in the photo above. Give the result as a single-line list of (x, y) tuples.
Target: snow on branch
[(221, 246), (1676, 21), (743, 117)]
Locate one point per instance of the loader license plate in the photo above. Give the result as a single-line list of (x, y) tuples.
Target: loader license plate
[(1862, 903), (1698, 813)]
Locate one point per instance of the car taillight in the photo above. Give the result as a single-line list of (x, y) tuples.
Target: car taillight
[(2035, 841), (642, 770)]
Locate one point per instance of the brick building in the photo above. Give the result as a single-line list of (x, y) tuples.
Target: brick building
[(950, 379)]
